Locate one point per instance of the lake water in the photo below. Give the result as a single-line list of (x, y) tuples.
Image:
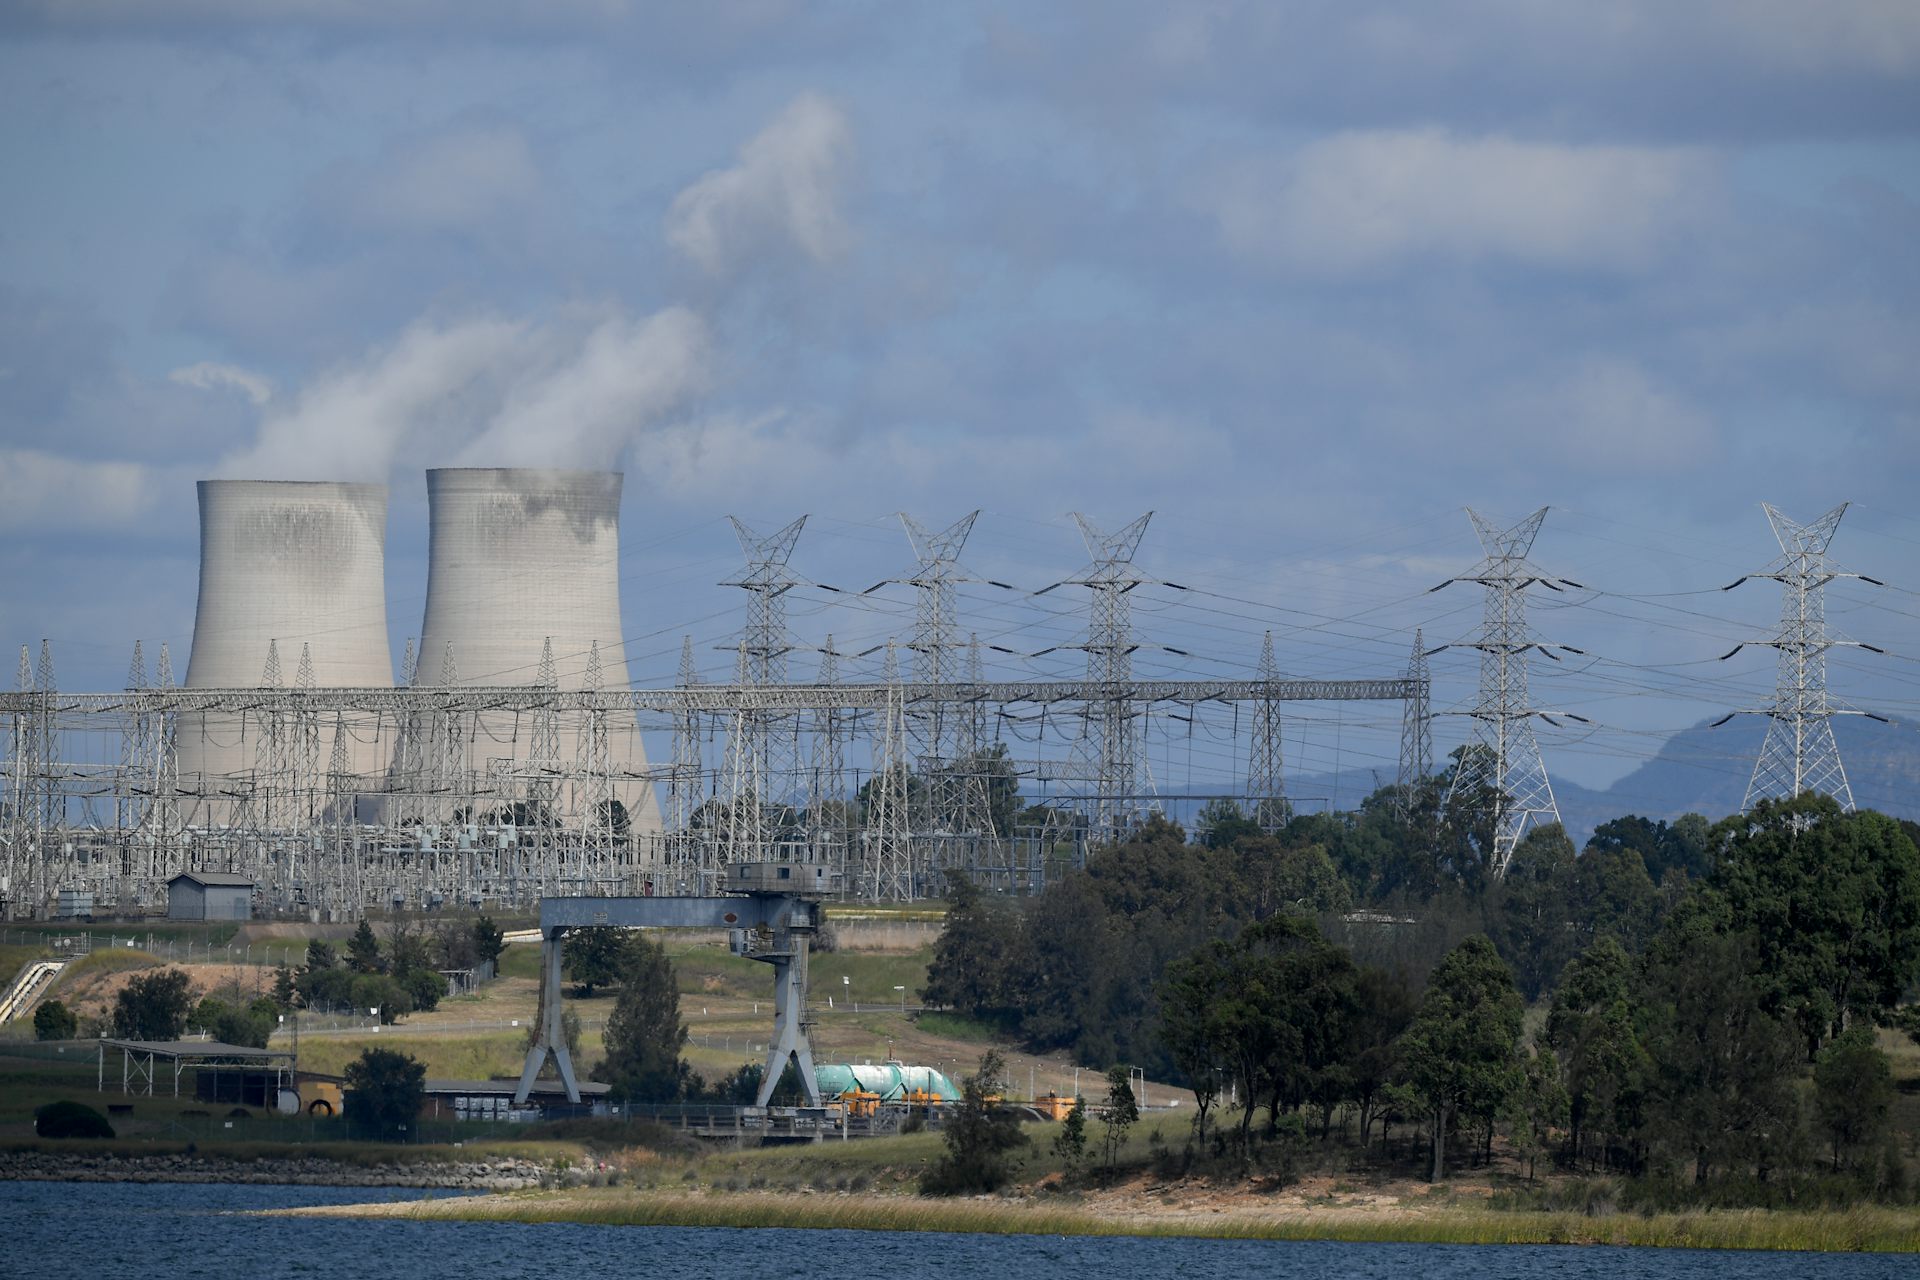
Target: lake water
[(52, 1230)]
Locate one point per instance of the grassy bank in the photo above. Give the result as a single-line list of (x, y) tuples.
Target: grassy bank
[(1854, 1230), (14, 957)]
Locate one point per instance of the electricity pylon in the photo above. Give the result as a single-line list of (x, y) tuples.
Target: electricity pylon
[(1266, 780), (765, 764), (1503, 760), (1416, 725), (1800, 754), (1112, 749)]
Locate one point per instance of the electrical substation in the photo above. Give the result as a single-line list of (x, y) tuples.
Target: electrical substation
[(507, 764)]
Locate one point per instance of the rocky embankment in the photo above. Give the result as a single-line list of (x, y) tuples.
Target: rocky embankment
[(465, 1175)]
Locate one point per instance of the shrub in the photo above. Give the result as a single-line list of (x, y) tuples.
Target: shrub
[(424, 987), (54, 1021), (250, 1027), (980, 1139), (377, 991), (66, 1119), (383, 1094), (153, 1006)]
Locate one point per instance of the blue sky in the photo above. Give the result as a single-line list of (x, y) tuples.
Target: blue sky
[(1305, 279)]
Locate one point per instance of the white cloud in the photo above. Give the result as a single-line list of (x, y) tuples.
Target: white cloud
[(44, 491), (574, 390), (209, 376), (624, 376), (785, 188), (353, 420), (1358, 201)]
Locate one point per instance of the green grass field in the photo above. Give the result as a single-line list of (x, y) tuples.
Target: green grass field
[(16, 956)]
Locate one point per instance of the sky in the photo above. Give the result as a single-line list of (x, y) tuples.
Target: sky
[(1304, 279)]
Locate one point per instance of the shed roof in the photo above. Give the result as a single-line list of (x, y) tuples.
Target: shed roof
[(472, 1088), (209, 879), (186, 1049)]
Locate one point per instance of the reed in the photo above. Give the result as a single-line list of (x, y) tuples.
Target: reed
[(1866, 1229)]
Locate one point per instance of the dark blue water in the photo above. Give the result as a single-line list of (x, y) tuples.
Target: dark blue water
[(52, 1230)]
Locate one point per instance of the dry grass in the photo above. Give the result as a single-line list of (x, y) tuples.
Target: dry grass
[(1864, 1229), (447, 1055)]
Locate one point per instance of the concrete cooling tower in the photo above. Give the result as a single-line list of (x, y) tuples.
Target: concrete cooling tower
[(518, 558), (293, 564)]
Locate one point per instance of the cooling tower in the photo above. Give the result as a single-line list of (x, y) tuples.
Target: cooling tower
[(292, 564), (518, 558)]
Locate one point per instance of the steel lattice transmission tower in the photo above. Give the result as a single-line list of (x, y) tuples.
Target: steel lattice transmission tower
[(1113, 730), (543, 747), (1416, 725), (766, 580), (686, 782), (935, 641), (887, 871), (1503, 759), (1266, 778), (593, 766), (763, 764), (1800, 754), (827, 804), (939, 727), (985, 849)]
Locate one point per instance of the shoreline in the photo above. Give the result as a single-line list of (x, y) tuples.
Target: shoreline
[(487, 1175), (1870, 1229), (509, 1187)]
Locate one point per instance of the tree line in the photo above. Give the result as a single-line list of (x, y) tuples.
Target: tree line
[(404, 976), (1710, 990)]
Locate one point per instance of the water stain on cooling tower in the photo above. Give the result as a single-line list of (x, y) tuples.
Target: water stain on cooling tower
[(511, 499), (311, 537)]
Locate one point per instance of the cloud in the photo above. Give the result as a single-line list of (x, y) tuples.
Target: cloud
[(469, 179), (209, 376), (1607, 414), (587, 20), (1644, 68), (44, 491), (784, 190), (574, 390), (585, 409), (1366, 200)]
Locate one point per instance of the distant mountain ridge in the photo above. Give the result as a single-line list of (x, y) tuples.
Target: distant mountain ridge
[(1705, 770), (1698, 770)]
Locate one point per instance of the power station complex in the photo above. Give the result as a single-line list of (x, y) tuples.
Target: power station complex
[(507, 760)]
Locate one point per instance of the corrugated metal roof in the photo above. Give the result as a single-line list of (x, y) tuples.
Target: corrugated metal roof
[(588, 1088), (209, 879), (197, 1049)]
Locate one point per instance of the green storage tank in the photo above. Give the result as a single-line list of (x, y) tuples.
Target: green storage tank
[(893, 1081)]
